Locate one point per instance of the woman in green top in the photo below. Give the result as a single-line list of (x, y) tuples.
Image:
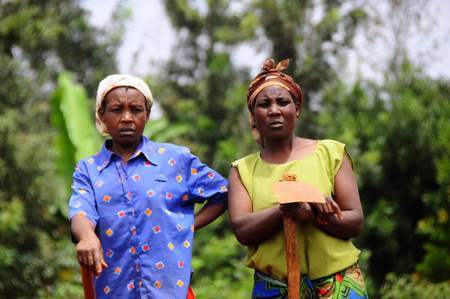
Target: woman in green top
[(327, 257)]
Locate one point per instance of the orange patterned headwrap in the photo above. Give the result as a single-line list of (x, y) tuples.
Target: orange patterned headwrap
[(273, 75)]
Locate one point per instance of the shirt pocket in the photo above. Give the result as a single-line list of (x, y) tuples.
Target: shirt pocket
[(167, 192), (160, 178)]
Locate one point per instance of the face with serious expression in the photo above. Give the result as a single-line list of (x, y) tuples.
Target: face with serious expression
[(275, 113), (125, 114)]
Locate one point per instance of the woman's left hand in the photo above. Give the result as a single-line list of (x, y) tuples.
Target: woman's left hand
[(341, 215), (330, 207)]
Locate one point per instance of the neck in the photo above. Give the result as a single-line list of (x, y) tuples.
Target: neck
[(125, 151), (278, 150)]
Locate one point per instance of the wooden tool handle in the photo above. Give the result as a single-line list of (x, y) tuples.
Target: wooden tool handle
[(290, 241), (87, 277)]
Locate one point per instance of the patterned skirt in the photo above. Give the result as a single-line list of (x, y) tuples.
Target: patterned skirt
[(346, 284)]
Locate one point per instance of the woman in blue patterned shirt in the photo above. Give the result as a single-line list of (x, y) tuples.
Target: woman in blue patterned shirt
[(132, 204)]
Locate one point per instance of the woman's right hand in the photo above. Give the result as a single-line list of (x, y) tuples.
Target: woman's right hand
[(90, 253), (301, 211)]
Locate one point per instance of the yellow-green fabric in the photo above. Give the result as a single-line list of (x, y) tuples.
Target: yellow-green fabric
[(319, 254)]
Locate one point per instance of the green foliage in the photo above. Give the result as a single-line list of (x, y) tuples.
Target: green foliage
[(217, 265), (161, 130), (28, 210), (406, 287), (397, 133), (201, 86), (71, 117), (79, 124), (22, 213), (316, 37), (51, 36), (38, 40), (434, 226)]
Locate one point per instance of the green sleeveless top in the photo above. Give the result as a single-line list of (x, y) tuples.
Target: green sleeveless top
[(319, 254)]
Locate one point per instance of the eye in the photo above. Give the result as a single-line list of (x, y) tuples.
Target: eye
[(115, 109), (263, 104), (283, 101), (137, 109)]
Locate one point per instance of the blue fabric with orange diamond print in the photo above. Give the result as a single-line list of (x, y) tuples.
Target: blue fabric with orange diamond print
[(144, 216)]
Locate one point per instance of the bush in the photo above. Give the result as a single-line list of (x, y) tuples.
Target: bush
[(411, 286)]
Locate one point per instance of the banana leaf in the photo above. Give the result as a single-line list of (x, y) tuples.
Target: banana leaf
[(72, 119)]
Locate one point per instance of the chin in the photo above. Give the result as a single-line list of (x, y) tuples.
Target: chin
[(127, 140), (278, 135)]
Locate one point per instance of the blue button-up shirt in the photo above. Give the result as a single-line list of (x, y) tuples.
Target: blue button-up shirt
[(144, 216)]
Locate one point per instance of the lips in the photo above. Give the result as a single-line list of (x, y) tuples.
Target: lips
[(127, 131), (276, 124)]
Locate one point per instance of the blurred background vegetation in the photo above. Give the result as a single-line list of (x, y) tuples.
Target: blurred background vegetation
[(397, 129)]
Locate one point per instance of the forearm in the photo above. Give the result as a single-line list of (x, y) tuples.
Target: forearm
[(89, 249), (255, 227), (81, 227), (207, 214), (349, 227)]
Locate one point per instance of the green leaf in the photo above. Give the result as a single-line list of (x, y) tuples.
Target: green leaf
[(78, 117), (162, 131), (76, 136)]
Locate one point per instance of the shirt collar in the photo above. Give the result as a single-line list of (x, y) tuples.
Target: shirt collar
[(149, 149), (145, 147)]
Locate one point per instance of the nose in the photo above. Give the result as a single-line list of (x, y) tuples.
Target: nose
[(274, 109), (127, 116)]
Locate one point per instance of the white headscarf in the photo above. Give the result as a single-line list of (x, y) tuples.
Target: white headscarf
[(113, 81)]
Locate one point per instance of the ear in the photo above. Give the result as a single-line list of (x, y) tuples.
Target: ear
[(102, 108), (148, 114), (251, 120), (298, 110), (101, 113)]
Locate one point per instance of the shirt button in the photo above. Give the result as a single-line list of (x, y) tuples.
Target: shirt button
[(133, 231)]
